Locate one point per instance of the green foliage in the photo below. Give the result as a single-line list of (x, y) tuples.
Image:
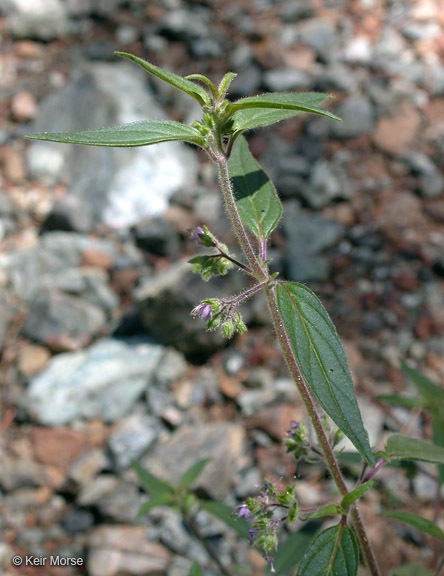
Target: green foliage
[(195, 570), (355, 494), (256, 199), (410, 570), (212, 265), (330, 510), (152, 484), (291, 550), (406, 448), (333, 552), (428, 389), (298, 101), (418, 522), (141, 133), (193, 472), (321, 360), (193, 90)]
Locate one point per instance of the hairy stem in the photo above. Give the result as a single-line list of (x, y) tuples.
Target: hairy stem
[(262, 276)]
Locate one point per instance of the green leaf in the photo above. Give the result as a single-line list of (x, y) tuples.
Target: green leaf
[(406, 448), (195, 570), (225, 513), (300, 101), (418, 522), (142, 133), (256, 199), (193, 90), (325, 557), (403, 401), (192, 473), (438, 438), (410, 570), (330, 510), (160, 500), (291, 550), (355, 494), (424, 385), (321, 360), (243, 120), (151, 484)]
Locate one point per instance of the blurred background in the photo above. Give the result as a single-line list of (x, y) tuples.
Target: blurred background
[(101, 363)]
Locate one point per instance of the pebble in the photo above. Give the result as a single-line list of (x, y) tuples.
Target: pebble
[(57, 446), (394, 134), (32, 359), (357, 118), (23, 106)]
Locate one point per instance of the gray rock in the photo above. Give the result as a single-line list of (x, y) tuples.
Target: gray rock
[(430, 179), (337, 77), (357, 118), (309, 236), (327, 182), (78, 521), (223, 443), (41, 19), (172, 368), (174, 535), (103, 381), (67, 214), (285, 79), (157, 236), (113, 497), (90, 284), (53, 315), (320, 35), (295, 10), (132, 438), (86, 7), (166, 301), (5, 318), (111, 183)]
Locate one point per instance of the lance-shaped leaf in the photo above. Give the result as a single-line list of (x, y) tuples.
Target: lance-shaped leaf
[(257, 117), (193, 473), (355, 494), (195, 570), (428, 389), (321, 360), (406, 448), (403, 401), (153, 485), (256, 199), (301, 101), (334, 552), (140, 133), (190, 88), (418, 522), (165, 499)]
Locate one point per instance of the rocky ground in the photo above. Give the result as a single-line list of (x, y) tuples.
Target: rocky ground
[(101, 362)]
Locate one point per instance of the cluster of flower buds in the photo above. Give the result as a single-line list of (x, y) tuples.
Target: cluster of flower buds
[(296, 441), (266, 512), (213, 264), (218, 313)]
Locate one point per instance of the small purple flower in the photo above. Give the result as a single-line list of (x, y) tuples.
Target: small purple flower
[(199, 231), (203, 310), (269, 559), (242, 511), (265, 488), (251, 534), (293, 427)]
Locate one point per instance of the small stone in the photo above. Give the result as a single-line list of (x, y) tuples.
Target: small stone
[(78, 521), (112, 497), (327, 182), (57, 446), (320, 35), (32, 359), (395, 133), (23, 106), (13, 165), (357, 118), (286, 79), (132, 438), (275, 420), (358, 51), (96, 259), (83, 471), (118, 550), (430, 179)]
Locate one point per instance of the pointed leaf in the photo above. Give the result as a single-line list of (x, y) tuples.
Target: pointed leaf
[(193, 90), (155, 501), (356, 494), (225, 513), (243, 120), (326, 556), (403, 401), (192, 473), (291, 550), (438, 438), (410, 570), (256, 199), (302, 101), (418, 522), (195, 570), (330, 510), (424, 385), (140, 133), (151, 484), (406, 448), (321, 360)]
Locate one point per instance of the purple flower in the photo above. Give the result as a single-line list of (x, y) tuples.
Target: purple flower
[(203, 310), (199, 231), (293, 427), (251, 534), (242, 511), (265, 488), (269, 559)]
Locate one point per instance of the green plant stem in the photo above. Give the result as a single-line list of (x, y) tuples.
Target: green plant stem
[(262, 276), (191, 525)]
